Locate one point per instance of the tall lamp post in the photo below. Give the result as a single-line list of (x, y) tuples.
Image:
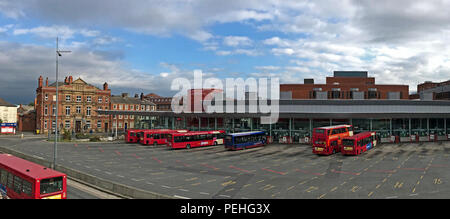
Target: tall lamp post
[(58, 54)]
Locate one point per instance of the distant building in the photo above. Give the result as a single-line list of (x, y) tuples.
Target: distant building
[(8, 112), (162, 103), (344, 85), (432, 91), (78, 102), (26, 118), (126, 103)]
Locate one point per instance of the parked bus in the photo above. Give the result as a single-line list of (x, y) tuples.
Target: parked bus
[(157, 136), (22, 179), (359, 143), (195, 139), (132, 135), (327, 140), (239, 141)]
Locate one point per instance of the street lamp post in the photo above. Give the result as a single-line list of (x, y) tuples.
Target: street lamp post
[(58, 54)]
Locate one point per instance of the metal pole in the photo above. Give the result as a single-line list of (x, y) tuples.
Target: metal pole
[(56, 125)]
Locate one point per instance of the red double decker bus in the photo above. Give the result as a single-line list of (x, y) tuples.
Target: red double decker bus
[(357, 144), (195, 139), (132, 135), (327, 140), (22, 179), (157, 136)]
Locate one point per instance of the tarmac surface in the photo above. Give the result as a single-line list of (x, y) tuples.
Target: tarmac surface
[(408, 170)]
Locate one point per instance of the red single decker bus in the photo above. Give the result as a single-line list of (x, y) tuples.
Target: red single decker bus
[(22, 179), (132, 135), (195, 139), (327, 140), (157, 136), (359, 143)]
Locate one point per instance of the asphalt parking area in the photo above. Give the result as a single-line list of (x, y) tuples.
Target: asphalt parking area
[(413, 170)]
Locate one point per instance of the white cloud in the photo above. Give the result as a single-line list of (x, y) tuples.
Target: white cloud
[(64, 32), (235, 41)]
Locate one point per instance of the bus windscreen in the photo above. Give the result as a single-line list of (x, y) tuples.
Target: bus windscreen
[(348, 142)]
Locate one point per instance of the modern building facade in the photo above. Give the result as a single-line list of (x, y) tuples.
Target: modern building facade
[(345, 85), (77, 105), (432, 91), (394, 121)]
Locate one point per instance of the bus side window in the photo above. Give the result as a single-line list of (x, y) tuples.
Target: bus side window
[(17, 184), (26, 187), (3, 177), (10, 181)]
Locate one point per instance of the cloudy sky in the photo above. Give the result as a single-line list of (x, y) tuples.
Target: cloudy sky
[(142, 45)]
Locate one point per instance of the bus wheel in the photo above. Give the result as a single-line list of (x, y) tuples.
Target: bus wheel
[(188, 146), (215, 143), (155, 144)]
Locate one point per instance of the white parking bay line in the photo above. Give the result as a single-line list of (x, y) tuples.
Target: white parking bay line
[(180, 197)]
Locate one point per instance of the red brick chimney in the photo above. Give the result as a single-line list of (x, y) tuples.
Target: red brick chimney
[(46, 82), (105, 86), (40, 81), (70, 79)]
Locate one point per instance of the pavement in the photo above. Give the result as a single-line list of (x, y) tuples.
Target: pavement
[(407, 170)]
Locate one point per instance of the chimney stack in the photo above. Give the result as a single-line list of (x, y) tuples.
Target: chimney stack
[(70, 79), (46, 82), (40, 81), (105, 86)]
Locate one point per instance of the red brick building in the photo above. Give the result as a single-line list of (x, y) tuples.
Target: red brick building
[(126, 103), (432, 91), (26, 119), (78, 102), (162, 103), (344, 85)]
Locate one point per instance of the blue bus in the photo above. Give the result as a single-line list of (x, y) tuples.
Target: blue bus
[(243, 140)]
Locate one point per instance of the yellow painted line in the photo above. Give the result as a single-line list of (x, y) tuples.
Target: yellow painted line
[(229, 190), (260, 181), (378, 186), (191, 179), (231, 182), (385, 179), (195, 184), (211, 180), (370, 194), (290, 188), (334, 189), (414, 190), (247, 185), (323, 195)]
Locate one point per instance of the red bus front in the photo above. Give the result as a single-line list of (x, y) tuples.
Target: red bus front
[(349, 146), (52, 188), (320, 141), (132, 136)]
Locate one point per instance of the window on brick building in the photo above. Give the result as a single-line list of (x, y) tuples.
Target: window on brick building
[(78, 98), (67, 98), (88, 111), (67, 110)]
